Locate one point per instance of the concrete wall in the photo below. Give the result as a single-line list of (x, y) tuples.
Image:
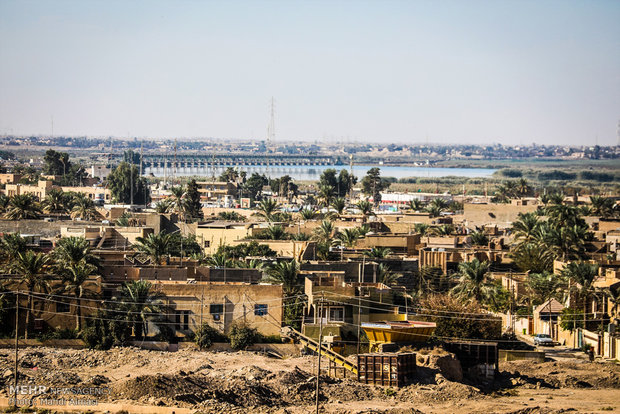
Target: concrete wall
[(481, 214), (238, 302), (518, 355)]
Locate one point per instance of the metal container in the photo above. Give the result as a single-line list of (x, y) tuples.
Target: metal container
[(388, 369)]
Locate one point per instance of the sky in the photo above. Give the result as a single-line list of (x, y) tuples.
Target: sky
[(453, 72)]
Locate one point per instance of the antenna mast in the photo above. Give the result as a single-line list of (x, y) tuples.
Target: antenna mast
[(271, 132)]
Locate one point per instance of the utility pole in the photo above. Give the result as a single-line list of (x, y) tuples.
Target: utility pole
[(175, 160), (202, 298), (16, 343), (318, 371)]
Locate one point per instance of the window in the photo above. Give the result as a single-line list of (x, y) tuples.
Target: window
[(181, 320), (63, 307), (216, 310), (260, 310), (336, 314)]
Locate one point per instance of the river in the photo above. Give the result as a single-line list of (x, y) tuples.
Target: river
[(313, 172)]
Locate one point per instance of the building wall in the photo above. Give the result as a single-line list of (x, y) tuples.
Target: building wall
[(10, 178), (210, 238), (481, 214), (238, 303)]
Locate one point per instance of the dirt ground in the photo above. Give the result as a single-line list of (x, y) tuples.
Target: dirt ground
[(245, 382)]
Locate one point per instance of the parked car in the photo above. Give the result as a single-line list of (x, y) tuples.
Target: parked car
[(543, 339)]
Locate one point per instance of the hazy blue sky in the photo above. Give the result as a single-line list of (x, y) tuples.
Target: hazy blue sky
[(383, 71)]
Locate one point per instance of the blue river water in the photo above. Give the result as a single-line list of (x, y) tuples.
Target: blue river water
[(313, 172)]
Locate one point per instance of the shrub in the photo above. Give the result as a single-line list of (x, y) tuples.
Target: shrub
[(206, 335), (511, 173), (242, 336)]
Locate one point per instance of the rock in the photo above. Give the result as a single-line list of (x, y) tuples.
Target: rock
[(8, 373)]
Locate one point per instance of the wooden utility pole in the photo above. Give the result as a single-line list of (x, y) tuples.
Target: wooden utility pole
[(16, 344), (318, 371)]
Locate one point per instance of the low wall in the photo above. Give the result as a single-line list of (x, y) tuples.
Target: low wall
[(518, 355), (52, 343), (281, 349)]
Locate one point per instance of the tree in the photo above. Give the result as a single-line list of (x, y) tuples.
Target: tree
[(11, 244), (478, 238), (378, 252), (163, 207), (253, 187), (583, 275), (22, 207), (347, 237), (532, 257), (155, 246), (460, 324), (474, 282), (74, 279), (230, 175), (421, 228), (544, 286), (365, 208), (326, 195), (55, 202), (56, 163), (336, 186), (308, 213), (386, 276), (436, 207), (275, 232), (285, 273), (193, 206), (70, 251), (32, 268), (242, 250), (373, 184), (83, 208), (525, 226), (602, 206), (120, 183), (415, 205), (284, 186), (267, 208), (339, 204), (141, 303), (523, 187), (231, 216)]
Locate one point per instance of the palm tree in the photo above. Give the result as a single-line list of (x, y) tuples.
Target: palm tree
[(473, 281), (378, 252), (4, 203), (11, 244), (523, 188), (267, 208), (444, 230), (21, 207), (415, 205), (141, 303), (308, 213), (556, 198), (176, 199), (163, 206), (386, 276), (525, 226), (602, 206), (251, 264), (545, 286), (55, 202), (32, 268), (155, 246), (83, 208), (365, 208), (285, 273), (478, 238), (324, 233), (347, 237), (363, 230), (421, 228), (326, 193), (532, 257), (70, 251), (339, 204), (583, 275), (436, 207), (276, 232), (74, 279), (220, 260), (614, 297)]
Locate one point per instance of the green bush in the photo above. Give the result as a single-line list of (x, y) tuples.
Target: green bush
[(511, 173), (60, 334), (206, 335), (242, 336)]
